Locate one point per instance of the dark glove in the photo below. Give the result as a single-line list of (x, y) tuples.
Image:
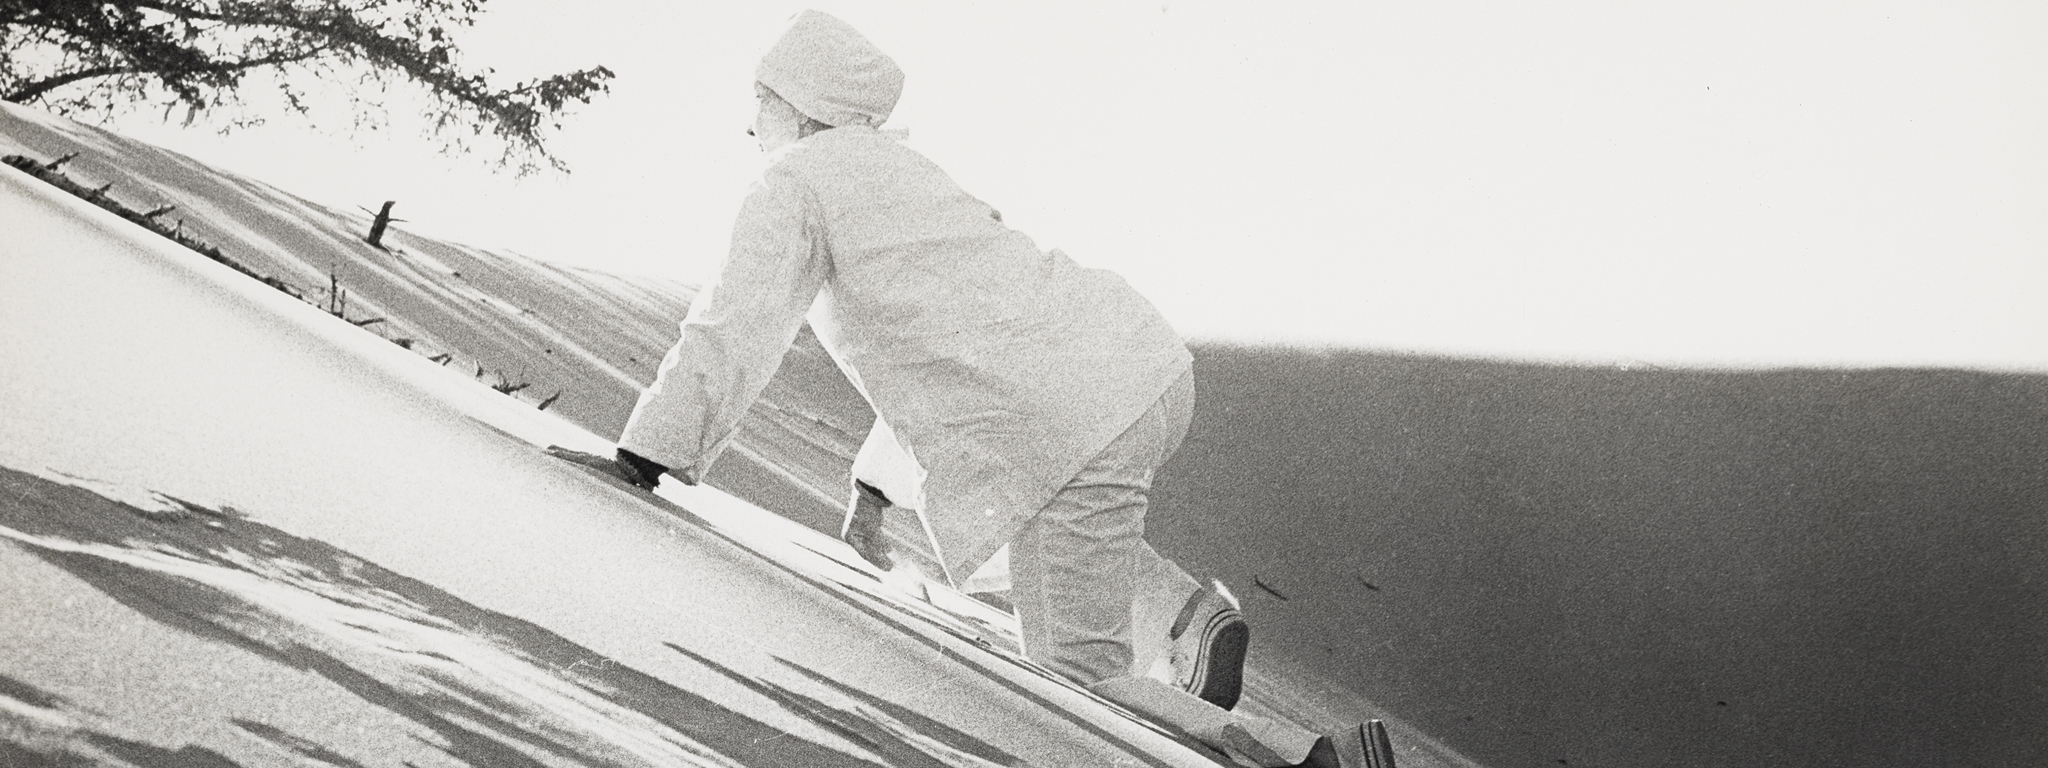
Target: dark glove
[(864, 526), (639, 470)]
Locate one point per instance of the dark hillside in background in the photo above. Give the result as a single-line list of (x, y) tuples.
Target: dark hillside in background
[(1591, 567)]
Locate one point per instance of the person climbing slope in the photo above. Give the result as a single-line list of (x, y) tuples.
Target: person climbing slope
[(1035, 398)]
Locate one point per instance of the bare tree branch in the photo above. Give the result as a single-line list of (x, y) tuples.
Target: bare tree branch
[(37, 88), (197, 52)]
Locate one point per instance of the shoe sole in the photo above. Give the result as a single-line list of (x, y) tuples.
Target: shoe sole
[(1219, 667), (1379, 750)]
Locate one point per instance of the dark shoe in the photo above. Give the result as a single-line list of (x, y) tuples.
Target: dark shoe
[(1210, 638)]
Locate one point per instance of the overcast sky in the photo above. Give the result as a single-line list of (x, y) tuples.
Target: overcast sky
[(1726, 183)]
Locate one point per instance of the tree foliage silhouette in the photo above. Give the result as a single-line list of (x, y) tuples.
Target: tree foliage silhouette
[(96, 59)]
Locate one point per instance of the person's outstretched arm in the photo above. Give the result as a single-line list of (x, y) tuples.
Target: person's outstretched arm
[(736, 332)]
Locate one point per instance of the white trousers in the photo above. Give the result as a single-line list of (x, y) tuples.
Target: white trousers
[(1096, 602)]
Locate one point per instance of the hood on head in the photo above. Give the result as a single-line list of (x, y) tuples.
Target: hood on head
[(829, 72)]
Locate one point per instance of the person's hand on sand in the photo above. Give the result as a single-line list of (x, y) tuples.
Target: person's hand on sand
[(638, 470), (624, 465)]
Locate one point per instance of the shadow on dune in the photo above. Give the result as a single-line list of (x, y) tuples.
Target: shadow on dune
[(1565, 566), (484, 688), (40, 729), (889, 730)]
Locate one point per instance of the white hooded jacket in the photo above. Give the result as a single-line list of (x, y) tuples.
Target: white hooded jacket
[(1002, 369)]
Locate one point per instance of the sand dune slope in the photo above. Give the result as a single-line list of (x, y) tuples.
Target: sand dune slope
[(235, 530)]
